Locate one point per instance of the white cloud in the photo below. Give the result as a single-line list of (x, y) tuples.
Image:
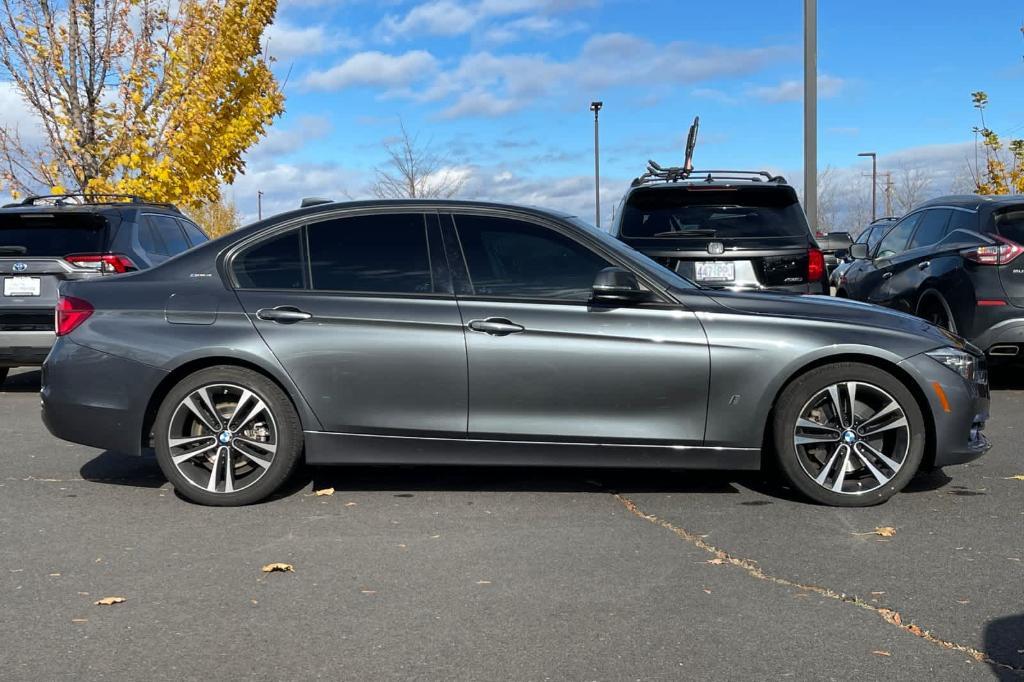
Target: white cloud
[(375, 69), (285, 39), (283, 141), (455, 17), (793, 90), (531, 26)]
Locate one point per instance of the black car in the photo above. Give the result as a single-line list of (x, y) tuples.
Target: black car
[(447, 332), (723, 229), (954, 261), (835, 246), (49, 239)]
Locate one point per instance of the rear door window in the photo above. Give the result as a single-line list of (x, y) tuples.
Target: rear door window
[(51, 234), (170, 233), (684, 211), (1010, 223), (931, 228), (195, 235)]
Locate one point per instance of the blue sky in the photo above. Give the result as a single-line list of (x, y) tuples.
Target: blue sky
[(502, 88)]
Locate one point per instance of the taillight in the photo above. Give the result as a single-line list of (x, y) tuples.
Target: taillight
[(999, 254), (70, 313), (815, 265), (104, 262)]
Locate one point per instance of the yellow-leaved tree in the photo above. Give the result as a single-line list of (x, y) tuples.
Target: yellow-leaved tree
[(158, 98), (217, 218), (1002, 169)]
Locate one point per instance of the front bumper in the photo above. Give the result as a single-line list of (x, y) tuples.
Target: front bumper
[(23, 349), (958, 419), (95, 398)]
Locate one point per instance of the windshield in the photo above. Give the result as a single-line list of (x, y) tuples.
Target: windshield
[(721, 213), (47, 235), (651, 267), (1010, 223)]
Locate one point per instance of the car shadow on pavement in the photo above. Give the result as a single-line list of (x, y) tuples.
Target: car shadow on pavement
[(1005, 376), (1004, 642), (115, 468), (22, 382)]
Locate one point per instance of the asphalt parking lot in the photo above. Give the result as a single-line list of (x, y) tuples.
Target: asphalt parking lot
[(504, 573)]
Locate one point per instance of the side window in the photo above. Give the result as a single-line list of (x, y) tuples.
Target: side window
[(149, 239), (963, 220), (931, 229), (895, 241), (875, 236), (511, 258), (170, 233), (274, 263), (195, 235), (383, 253)]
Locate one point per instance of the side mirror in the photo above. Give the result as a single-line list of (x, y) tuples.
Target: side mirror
[(615, 285), (859, 251)]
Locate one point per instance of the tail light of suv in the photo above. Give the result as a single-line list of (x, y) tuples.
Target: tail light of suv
[(999, 254), (70, 313), (104, 262), (815, 265)]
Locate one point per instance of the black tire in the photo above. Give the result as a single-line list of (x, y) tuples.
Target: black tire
[(3, 374), (934, 310), (280, 413), (792, 462)]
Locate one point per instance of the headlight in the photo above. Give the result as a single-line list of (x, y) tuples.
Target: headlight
[(964, 364)]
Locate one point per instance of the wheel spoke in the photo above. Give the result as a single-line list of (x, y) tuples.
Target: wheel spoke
[(893, 465), (810, 439), (194, 409), (825, 470), (184, 457), (833, 393), (204, 395), (901, 422), (229, 473), (255, 459), (266, 447), (181, 442), (256, 409), (212, 484), (889, 408), (879, 476), (841, 476), (851, 395)]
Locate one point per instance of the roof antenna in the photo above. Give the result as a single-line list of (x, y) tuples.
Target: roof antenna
[(691, 142)]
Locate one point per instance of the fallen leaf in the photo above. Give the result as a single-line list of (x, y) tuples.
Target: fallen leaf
[(351, 504), (878, 593), (55, 575), (914, 630), (890, 616), (707, 591), (402, 546), (882, 531), (1018, 477), (717, 561), (881, 653), (434, 537), (323, 493), (483, 582), (278, 566), (963, 601), (254, 601), (368, 591), (109, 601), (79, 620)]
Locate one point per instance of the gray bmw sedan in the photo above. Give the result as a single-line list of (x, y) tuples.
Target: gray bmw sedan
[(449, 332)]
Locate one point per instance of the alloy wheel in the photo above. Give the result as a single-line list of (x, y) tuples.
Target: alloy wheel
[(852, 437), (222, 438)]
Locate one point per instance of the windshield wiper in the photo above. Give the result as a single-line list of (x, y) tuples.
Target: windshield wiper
[(13, 250), (686, 233)]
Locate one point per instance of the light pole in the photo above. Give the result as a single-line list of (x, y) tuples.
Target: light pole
[(811, 112), (259, 204), (874, 181), (596, 108)]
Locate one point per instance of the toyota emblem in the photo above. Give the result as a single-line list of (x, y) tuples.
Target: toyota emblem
[(20, 267), (716, 248)]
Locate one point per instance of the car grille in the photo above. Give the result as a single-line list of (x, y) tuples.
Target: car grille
[(29, 320)]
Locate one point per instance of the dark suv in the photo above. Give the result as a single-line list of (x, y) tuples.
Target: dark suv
[(46, 240), (955, 262), (723, 229)]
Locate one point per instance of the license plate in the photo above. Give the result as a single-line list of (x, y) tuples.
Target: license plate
[(716, 271), (21, 286)]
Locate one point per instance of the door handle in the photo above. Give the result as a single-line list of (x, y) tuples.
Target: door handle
[(886, 275), (283, 314), (496, 326), (924, 264)]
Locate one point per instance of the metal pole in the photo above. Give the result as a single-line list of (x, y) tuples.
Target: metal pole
[(259, 204), (596, 108), (874, 182), (811, 112)]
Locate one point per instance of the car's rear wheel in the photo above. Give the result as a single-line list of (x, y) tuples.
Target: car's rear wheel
[(3, 374), (227, 436), (848, 434), (936, 312)]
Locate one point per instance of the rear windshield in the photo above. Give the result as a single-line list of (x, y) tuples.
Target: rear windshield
[(48, 235), (1010, 223), (719, 213)]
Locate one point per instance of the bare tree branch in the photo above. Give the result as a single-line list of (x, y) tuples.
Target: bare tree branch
[(415, 171)]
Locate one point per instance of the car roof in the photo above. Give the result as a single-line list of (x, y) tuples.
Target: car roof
[(404, 204), (974, 201)]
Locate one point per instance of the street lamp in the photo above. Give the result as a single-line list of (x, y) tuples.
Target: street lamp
[(811, 112), (596, 108), (874, 180), (259, 204)]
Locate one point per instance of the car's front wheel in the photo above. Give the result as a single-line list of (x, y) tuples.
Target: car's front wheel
[(227, 436), (848, 434)]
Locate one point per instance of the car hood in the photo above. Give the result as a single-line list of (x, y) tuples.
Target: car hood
[(828, 308)]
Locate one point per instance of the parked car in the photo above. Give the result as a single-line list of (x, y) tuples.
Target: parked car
[(834, 247), (955, 262), (47, 240), (723, 229), (444, 332), (870, 235)]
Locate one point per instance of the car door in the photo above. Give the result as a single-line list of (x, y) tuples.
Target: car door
[(360, 312), (876, 273), (545, 364), (912, 267)]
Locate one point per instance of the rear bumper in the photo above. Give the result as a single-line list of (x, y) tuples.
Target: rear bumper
[(1008, 331), (19, 349), (94, 398), (960, 422)]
